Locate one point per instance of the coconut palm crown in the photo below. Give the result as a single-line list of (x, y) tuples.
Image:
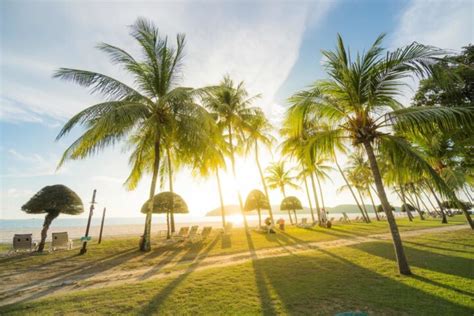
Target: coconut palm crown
[(155, 116)]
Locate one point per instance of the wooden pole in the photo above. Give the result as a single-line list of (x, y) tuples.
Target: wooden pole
[(102, 225), (91, 211)]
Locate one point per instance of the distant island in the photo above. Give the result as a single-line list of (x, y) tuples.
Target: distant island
[(348, 208)]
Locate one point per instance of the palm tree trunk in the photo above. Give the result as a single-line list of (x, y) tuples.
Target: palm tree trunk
[(259, 218), (170, 174), (309, 199), (429, 201), (404, 199), (50, 216), (296, 218), (145, 242), (318, 210), (347, 183), (365, 214), (320, 192), (284, 196), (466, 192), (410, 199), (373, 204), (232, 160), (403, 266), (221, 199), (168, 234), (264, 184), (441, 208)]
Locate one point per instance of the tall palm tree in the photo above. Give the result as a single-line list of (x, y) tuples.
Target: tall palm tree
[(359, 103), (278, 177), (231, 105), (258, 131), (303, 176), (153, 114)]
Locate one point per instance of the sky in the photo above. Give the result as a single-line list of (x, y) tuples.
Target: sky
[(273, 46)]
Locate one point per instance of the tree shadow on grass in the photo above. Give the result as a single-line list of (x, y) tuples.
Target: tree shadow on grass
[(266, 302), (54, 283), (454, 265), (449, 242), (437, 247), (157, 300), (345, 286), (226, 241), (168, 256)]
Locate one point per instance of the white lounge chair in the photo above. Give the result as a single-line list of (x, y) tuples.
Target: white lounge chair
[(23, 242), (182, 234), (61, 241)]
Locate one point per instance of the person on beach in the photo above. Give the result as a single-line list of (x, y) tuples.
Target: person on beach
[(281, 222), (268, 223)]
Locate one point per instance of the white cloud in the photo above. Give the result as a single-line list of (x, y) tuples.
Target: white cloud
[(254, 42), (31, 165)]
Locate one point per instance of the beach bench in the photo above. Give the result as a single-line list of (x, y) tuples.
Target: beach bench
[(228, 229), (61, 241), (193, 232), (304, 223), (205, 232), (23, 242), (182, 234)]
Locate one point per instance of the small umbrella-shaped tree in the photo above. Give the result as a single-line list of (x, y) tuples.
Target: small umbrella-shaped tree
[(163, 203), (53, 200), (257, 200), (291, 203)]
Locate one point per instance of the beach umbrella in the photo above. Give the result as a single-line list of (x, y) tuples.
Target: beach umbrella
[(53, 200), (291, 203), (163, 203), (256, 200)]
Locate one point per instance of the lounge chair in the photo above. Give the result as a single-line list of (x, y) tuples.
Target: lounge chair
[(193, 232), (304, 223), (346, 218), (182, 234), (205, 232), (331, 219), (61, 240), (23, 242), (228, 229)]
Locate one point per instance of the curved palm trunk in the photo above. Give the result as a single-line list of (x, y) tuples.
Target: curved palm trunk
[(259, 218), (397, 241), (348, 185), (429, 201), (232, 160), (404, 199), (284, 196), (318, 210), (417, 202), (309, 199), (296, 218), (467, 194), (320, 192), (264, 184), (221, 199), (366, 215), (441, 208), (170, 175), (373, 204), (168, 233), (48, 219), (145, 242)]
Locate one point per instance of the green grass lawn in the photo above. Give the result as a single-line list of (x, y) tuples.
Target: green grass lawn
[(360, 277)]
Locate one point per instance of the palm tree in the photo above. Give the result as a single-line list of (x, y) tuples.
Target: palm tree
[(154, 116), (302, 176), (231, 105), (258, 130), (358, 102), (279, 178)]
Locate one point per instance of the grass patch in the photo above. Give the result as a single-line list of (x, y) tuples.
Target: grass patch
[(360, 277)]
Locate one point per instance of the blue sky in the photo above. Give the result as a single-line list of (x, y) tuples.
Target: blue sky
[(273, 46)]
